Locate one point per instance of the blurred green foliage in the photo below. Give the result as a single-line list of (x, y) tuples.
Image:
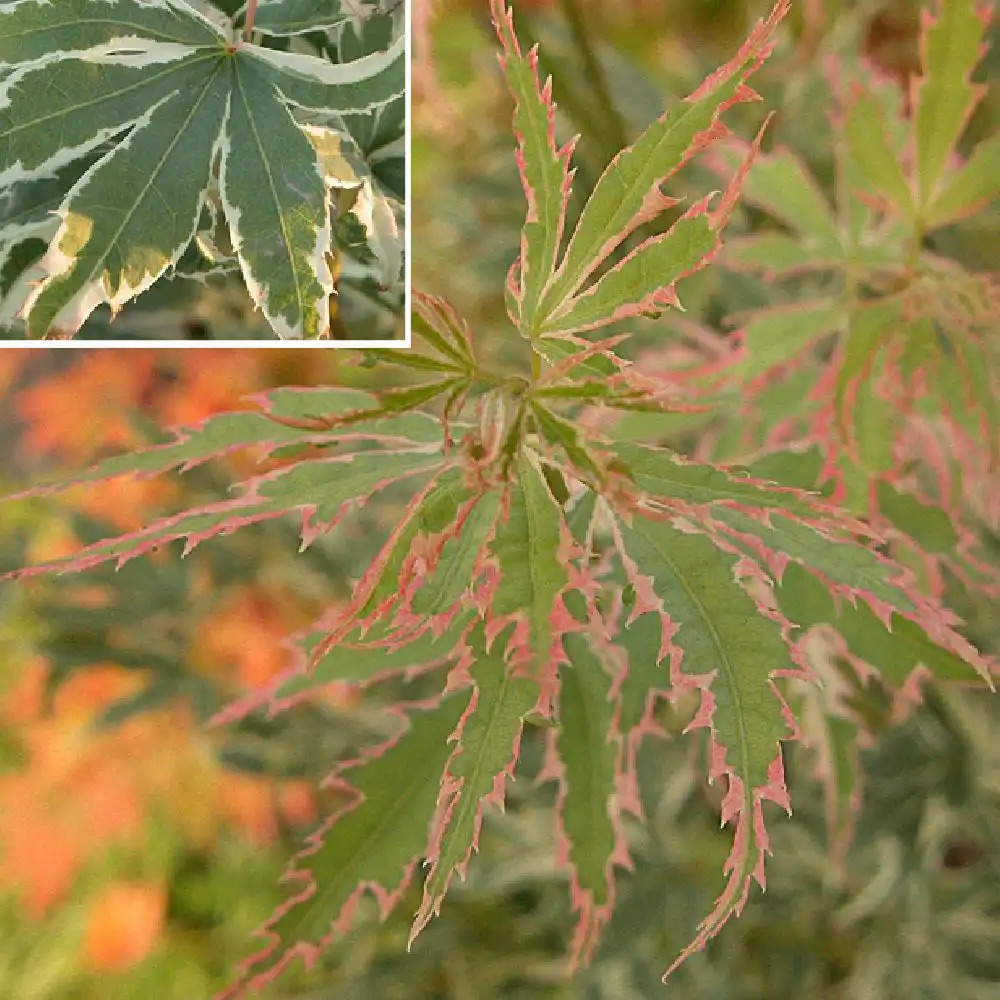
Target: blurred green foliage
[(911, 910)]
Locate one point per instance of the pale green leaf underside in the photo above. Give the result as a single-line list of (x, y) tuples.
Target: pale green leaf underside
[(187, 99)]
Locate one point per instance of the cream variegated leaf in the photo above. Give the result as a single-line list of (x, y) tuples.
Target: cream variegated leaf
[(176, 106)]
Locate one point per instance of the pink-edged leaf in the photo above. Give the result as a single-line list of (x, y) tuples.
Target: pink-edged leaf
[(943, 100), (970, 188), (875, 158), (319, 489), (776, 337), (454, 569), (845, 563), (641, 283), (528, 549), (640, 642), (629, 192), (436, 322), (781, 185), (544, 168), (489, 739), (665, 476), (564, 434), (322, 487), (722, 644), (194, 526), (591, 839), (371, 845), (365, 660), (900, 649), (219, 435)]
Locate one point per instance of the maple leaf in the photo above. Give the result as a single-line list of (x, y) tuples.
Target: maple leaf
[(173, 113)]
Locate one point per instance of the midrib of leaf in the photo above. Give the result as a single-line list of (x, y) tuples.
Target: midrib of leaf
[(127, 217), (300, 298)]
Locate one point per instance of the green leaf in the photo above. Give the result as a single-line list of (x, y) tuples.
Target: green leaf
[(896, 651), (780, 184), (777, 336), (297, 17), (168, 99), (436, 509), (588, 755), (970, 188), (274, 196), (489, 740), (729, 648), (526, 546), (38, 29), (453, 574), (629, 193), (437, 323), (545, 172), (876, 160), (364, 660), (325, 485), (643, 282), (562, 433), (640, 640), (843, 561), (945, 97), (375, 842), (661, 474)]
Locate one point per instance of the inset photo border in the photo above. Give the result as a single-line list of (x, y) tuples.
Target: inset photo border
[(204, 173)]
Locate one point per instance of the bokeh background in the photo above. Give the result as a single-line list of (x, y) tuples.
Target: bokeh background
[(139, 848)]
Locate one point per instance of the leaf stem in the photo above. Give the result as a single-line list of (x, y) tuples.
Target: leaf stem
[(248, 21), (536, 365)]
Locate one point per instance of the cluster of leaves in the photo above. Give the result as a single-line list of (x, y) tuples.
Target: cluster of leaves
[(543, 572), (894, 339), (149, 138)]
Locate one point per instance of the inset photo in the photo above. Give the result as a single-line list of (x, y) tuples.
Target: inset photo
[(192, 171)]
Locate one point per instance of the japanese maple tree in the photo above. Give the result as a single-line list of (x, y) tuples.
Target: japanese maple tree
[(540, 570)]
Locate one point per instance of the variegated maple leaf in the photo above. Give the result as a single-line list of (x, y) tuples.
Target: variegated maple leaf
[(128, 127)]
